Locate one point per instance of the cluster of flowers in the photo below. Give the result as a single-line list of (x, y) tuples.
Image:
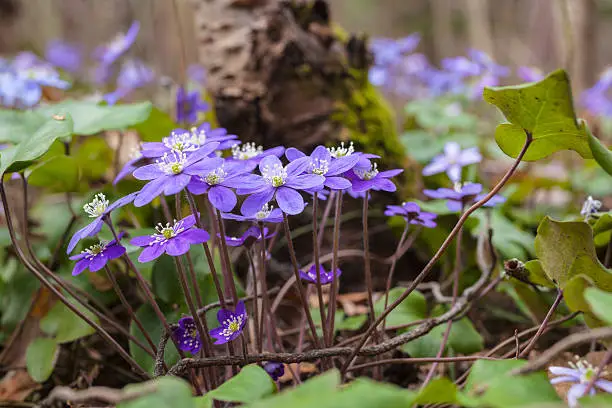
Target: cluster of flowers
[(398, 69), (22, 79), (210, 161)]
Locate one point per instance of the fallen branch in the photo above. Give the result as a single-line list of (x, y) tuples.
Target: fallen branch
[(105, 394)]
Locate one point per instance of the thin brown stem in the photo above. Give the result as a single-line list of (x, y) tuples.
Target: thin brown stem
[(423, 274), (225, 261), (392, 268), (315, 245), (298, 282), (331, 316), (548, 316)]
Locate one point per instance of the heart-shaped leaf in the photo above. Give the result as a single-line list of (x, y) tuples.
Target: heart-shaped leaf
[(601, 303), (601, 154), (250, 385), (543, 109), (41, 356)]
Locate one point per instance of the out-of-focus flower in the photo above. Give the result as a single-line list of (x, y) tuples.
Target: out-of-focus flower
[(590, 207), (96, 256), (64, 55), (231, 323), (463, 194), (251, 154), (250, 236), (281, 183), (188, 105), (185, 141), (477, 70), (187, 336), (274, 369), (97, 209), (172, 172), (412, 214), (452, 161), (173, 240), (134, 74), (197, 74), (107, 54), (580, 374), (129, 166), (530, 74), (326, 277), (598, 99)]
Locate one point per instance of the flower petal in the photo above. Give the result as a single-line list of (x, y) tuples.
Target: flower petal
[(576, 391), (604, 385), (269, 161), (80, 266), (177, 246), (293, 154), (222, 198), (298, 166), (148, 172), (254, 202), (289, 200), (195, 236), (98, 262), (114, 251), (149, 192), (337, 183), (304, 181), (141, 241), (437, 165), (176, 184), (151, 252), (342, 165)]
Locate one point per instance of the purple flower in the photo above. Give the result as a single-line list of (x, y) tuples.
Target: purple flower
[(134, 74), (129, 166), (580, 374), (452, 160), (109, 53), (97, 209), (281, 183), (530, 74), (250, 236), (181, 140), (389, 50), (274, 369), (174, 240), (188, 105), (393, 65), (324, 164), (172, 172), (197, 74), (326, 277), (251, 154), (412, 214), (367, 177), (462, 66), (64, 55), (231, 323), (597, 99), (590, 207), (218, 183), (187, 336), (267, 213), (96, 256), (462, 195)]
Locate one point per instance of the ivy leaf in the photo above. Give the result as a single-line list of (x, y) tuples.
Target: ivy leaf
[(33, 146), (251, 384), (566, 249), (41, 356), (545, 109), (91, 118)]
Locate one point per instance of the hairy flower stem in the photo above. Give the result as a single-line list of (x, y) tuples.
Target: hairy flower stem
[(298, 282), (392, 268), (315, 245), (225, 260), (331, 315), (200, 324), (445, 337), (129, 309), (547, 318), (103, 333), (423, 274)]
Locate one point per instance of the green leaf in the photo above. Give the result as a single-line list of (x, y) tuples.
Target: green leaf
[(601, 303), (511, 240), (439, 391), (536, 274), (58, 174), (545, 109), (463, 338), (16, 125), (566, 249), (412, 308), (483, 371), (91, 118), (351, 322), (251, 384), (94, 158), (316, 392), (41, 356), (34, 145), (601, 154), (157, 125), (366, 393), (162, 392), (66, 326), (166, 285), (600, 400)]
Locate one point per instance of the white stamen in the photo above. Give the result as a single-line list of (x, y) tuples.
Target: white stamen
[(198, 137), (341, 151), (367, 174), (319, 166), (166, 232), (589, 207), (246, 151), (216, 176), (275, 175), (264, 212), (97, 207), (172, 163), (180, 142), (231, 326)]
